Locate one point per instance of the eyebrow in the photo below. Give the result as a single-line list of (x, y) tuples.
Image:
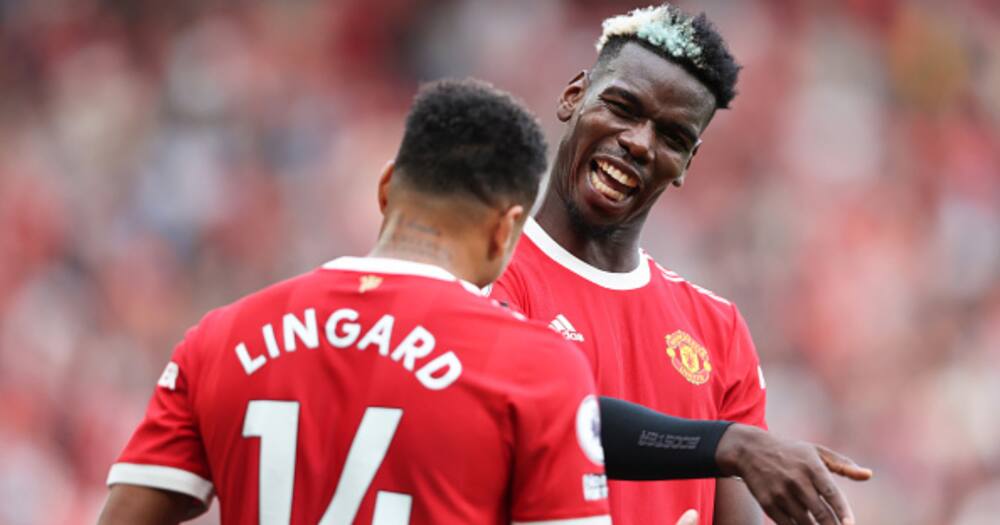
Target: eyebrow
[(683, 130), (625, 94), (632, 99)]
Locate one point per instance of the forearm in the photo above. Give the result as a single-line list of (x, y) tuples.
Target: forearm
[(734, 505), (642, 444)]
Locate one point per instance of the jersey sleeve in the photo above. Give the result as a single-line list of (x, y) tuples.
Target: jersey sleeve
[(746, 394), (558, 460), (166, 451)]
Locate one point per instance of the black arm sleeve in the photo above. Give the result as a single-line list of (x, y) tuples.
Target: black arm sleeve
[(642, 444)]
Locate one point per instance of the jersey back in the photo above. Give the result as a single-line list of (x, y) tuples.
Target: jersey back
[(651, 338), (374, 391)]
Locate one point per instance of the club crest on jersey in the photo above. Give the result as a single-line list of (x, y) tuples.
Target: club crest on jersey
[(369, 282), (689, 357)]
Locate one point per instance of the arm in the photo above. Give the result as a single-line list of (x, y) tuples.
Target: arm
[(162, 476), (786, 477), (134, 505), (744, 401), (642, 444), (789, 479), (734, 504)]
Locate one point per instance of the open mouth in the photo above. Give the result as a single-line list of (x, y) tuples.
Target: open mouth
[(611, 182)]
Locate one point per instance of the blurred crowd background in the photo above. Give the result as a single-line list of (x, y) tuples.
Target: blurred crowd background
[(159, 159)]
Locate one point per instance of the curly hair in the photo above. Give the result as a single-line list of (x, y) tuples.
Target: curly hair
[(692, 42), (468, 137)]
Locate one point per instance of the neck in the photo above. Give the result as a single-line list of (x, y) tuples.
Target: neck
[(613, 249), (414, 237)]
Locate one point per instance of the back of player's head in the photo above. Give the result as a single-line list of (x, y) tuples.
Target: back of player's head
[(689, 41), (467, 138)]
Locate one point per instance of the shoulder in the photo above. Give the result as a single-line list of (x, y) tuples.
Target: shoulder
[(719, 321), (254, 308), (527, 261), (702, 299)]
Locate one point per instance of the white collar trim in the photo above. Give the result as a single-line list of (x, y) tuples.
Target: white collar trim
[(631, 280), (390, 266)]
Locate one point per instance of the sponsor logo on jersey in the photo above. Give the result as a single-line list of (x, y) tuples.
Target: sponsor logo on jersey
[(595, 487), (563, 326), (588, 429), (168, 379), (368, 283), (689, 357)]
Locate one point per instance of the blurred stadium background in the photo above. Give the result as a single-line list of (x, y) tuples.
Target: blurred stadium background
[(158, 159)]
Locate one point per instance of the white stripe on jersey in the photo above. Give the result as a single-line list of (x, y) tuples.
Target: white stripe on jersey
[(674, 278), (631, 280), (565, 322), (161, 477)]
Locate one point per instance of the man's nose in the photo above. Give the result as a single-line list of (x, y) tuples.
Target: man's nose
[(639, 141)]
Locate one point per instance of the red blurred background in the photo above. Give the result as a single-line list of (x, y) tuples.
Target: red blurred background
[(159, 159)]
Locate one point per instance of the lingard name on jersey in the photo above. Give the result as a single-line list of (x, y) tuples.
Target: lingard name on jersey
[(342, 329)]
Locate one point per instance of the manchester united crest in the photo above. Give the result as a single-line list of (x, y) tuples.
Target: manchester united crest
[(689, 357)]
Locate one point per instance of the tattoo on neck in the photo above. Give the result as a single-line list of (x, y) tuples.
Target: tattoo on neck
[(415, 224), (419, 239)]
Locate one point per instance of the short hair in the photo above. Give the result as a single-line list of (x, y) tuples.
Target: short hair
[(691, 42), (466, 137)]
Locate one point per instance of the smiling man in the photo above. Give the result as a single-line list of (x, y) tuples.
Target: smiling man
[(633, 125)]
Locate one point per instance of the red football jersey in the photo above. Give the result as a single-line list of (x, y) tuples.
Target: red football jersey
[(652, 338), (374, 391)]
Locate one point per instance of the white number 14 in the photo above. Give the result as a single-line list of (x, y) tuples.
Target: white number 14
[(276, 423)]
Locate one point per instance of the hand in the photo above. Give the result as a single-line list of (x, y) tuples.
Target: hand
[(688, 518), (790, 479)]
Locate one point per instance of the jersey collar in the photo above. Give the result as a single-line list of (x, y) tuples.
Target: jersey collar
[(630, 280), (385, 265)]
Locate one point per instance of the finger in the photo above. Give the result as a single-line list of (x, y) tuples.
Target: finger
[(811, 498), (688, 518), (797, 514), (778, 516), (800, 514), (842, 465), (833, 497), (767, 496)]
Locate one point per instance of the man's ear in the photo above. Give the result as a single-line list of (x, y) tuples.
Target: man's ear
[(572, 95), (383, 185), (506, 231), (694, 151)]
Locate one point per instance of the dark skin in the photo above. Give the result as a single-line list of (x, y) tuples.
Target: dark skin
[(644, 115), (640, 113), (131, 504)]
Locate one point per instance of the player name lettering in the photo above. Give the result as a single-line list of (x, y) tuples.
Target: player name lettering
[(649, 438), (342, 330)]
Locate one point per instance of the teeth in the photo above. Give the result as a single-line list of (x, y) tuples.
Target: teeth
[(614, 173), (605, 190)]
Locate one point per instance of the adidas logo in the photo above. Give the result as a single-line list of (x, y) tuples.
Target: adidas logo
[(563, 326)]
